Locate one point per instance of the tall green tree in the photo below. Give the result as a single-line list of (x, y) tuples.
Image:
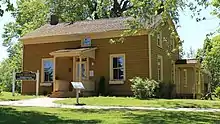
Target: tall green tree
[(212, 60)]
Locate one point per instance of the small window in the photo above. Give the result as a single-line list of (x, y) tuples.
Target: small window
[(185, 77), (160, 68), (159, 39), (173, 71), (47, 70), (172, 44), (117, 67)]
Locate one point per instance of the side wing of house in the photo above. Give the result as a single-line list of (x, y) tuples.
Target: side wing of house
[(162, 57)]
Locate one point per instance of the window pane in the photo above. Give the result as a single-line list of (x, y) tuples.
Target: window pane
[(83, 71), (115, 73), (115, 62), (120, 61), (118, 74), (121, 73), (48, 70)]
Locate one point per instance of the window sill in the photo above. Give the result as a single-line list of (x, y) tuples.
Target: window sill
[(48, 84), (116, 82)]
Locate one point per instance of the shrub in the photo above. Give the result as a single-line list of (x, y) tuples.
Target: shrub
[(143, 88), (102, 86), (217, 91), (165, 90)]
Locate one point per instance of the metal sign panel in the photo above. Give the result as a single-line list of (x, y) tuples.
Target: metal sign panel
[(86, 42), (30, 76), (78, 85)]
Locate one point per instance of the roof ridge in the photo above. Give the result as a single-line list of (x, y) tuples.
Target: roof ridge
[(101, 19)]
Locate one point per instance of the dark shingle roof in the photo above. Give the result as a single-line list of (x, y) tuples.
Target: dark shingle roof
[(187, 61), (80, 27)]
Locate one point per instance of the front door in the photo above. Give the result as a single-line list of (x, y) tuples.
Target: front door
[(83, 69)]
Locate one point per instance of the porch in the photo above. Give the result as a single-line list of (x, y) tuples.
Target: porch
[(73, 65)]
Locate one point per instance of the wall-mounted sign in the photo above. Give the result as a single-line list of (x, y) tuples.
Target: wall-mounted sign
[(30, 76), (86, 42)]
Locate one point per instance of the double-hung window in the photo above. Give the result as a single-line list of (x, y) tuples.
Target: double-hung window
[(159, 39), (117, 67), (47, 70), (160, 68), (185, 77)]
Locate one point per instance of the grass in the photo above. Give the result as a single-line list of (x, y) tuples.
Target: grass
[(7, 96), (37, 115), (130, 101)]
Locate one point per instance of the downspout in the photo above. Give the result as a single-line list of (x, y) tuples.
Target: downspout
[(149, 54)]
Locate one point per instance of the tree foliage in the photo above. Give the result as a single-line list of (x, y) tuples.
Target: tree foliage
[(9, 6)]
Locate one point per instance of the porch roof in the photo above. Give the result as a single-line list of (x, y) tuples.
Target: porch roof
[(83, 52)]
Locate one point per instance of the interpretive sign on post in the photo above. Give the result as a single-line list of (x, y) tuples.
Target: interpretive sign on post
[(30, 76), (77, 86), (26, 76)]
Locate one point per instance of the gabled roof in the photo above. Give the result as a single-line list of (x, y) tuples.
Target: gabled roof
[(80, 27)]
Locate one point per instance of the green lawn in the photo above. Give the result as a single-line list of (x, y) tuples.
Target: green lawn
[(7, 96), (36, 115), (129, 101)]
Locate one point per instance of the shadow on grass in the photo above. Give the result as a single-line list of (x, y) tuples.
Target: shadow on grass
[(11, 116), (162, 117), (159, 117)]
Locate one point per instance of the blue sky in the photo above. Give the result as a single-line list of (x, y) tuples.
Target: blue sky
[(193, 33)]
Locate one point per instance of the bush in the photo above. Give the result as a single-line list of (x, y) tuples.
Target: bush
[(217, 91), (165, 90), (102, 86), (143, 88)]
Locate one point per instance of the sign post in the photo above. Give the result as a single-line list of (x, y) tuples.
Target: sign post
[(78, 86), (37, 83), (13, 83)]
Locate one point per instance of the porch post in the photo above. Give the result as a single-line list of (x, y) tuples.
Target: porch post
[(80, 68), (194, 80), (54, 73), (74, 68), (199, 82)]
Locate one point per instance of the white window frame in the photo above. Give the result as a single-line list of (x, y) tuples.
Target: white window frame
[(161, 67), (42, 70), (114, 81), (185, 77), (160, 38)]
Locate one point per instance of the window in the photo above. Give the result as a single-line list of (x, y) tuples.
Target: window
[(173, 71), (172, 44), (159, 39), (160, 68), (47, 70), (185, 77), (117, 67)]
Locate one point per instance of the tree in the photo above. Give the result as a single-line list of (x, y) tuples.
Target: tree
[(212, 60), (9, 6), (191, 53)]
